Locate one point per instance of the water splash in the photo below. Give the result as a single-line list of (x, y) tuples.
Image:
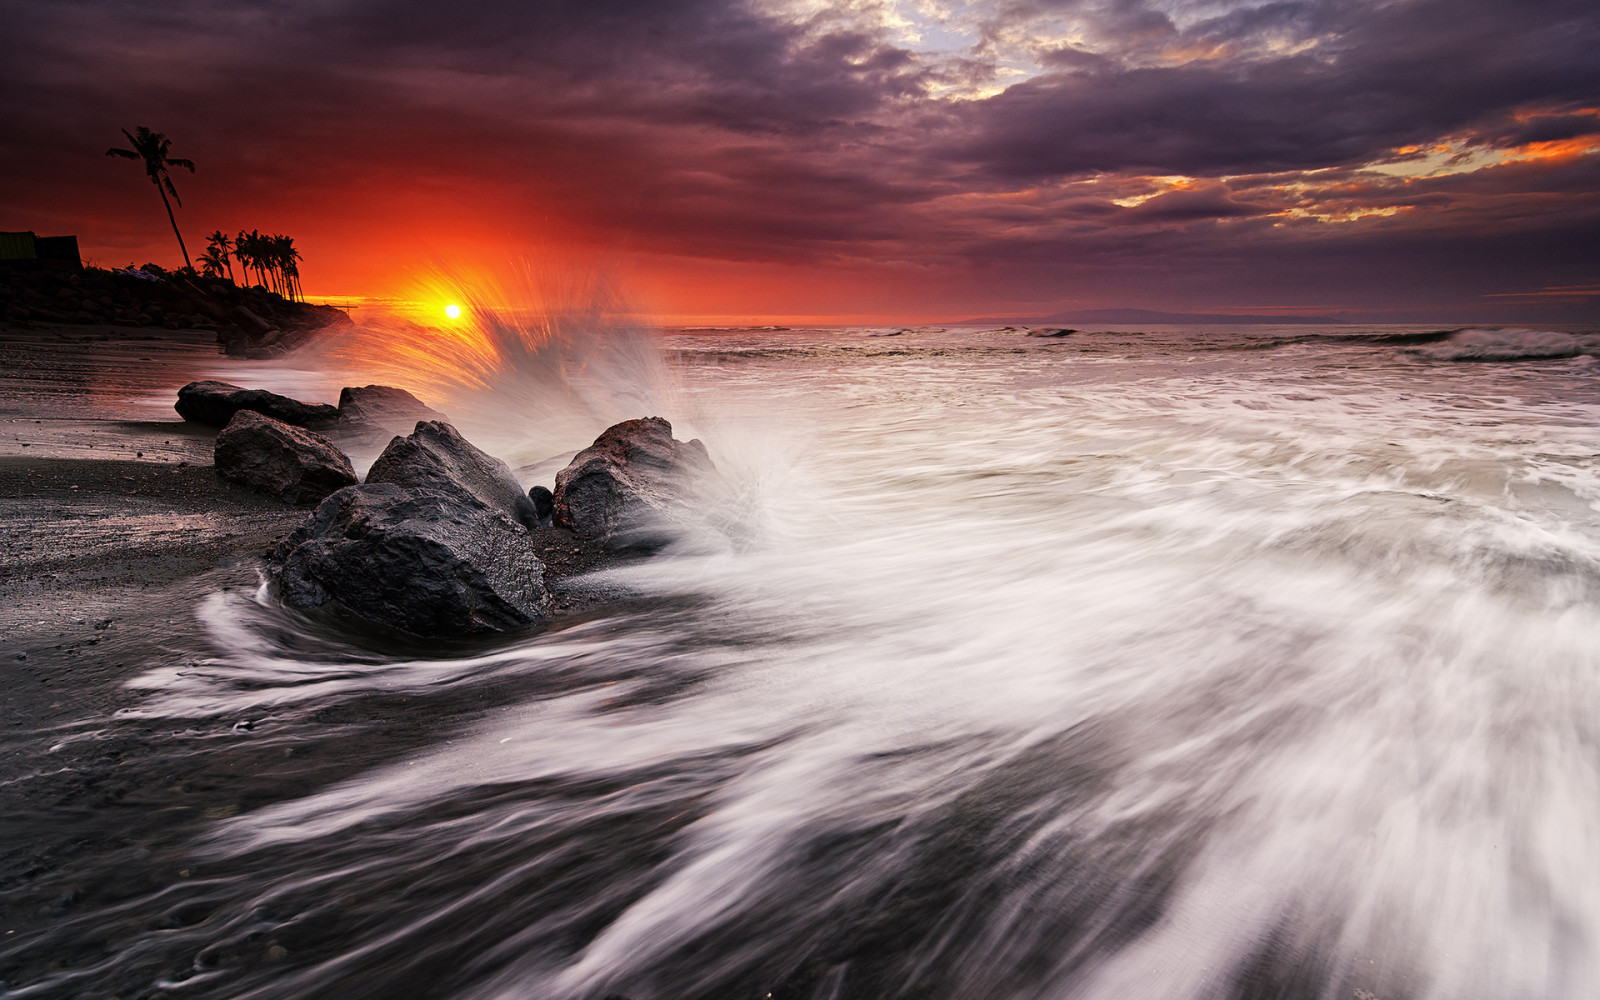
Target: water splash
[(539, 361)]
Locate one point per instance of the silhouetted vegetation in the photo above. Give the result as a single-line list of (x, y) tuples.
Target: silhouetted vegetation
[(274, 259), (246, 320), (218, 256), (151, 148)]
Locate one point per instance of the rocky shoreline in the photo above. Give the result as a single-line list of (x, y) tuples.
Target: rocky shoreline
[(439, 540), (247, 321), (115, 508)]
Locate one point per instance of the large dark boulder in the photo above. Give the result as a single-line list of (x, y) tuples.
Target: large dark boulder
[(291, 463), (383, 406), (633, 487), (215, 403), (427, 562), (435, 456)]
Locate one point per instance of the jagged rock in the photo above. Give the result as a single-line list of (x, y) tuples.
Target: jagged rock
[(383, 406), (435, 456), (291, 463), (215, 403), (1051, 331), (544, 505), (423, 561), (632, 485)]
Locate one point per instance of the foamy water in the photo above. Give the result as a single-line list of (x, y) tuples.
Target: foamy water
[(1189, 663)]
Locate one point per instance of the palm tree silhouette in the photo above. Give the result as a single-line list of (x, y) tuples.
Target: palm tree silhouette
[(247, 247), (151, 147), (288, 260), (219, 243), (211, 262)]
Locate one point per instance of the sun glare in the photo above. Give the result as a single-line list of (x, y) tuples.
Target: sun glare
[(453, 311)]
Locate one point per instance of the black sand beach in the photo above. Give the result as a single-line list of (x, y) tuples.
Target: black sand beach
[(116, 529)]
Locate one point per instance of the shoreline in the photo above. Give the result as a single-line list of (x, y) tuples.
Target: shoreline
[(110, 553), (107, 508)]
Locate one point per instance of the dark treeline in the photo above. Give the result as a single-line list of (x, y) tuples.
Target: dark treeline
[(273, 258)]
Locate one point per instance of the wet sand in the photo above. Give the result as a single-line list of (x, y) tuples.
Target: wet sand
[(109, 508), (116, 528)]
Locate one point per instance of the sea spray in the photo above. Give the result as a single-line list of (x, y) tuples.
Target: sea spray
[(1141, 665), (534, 366)]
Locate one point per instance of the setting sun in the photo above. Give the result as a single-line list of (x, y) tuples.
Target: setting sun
[(453, 311)]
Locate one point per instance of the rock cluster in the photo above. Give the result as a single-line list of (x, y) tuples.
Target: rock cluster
[(441, 540), (246, 320), (362, 410)]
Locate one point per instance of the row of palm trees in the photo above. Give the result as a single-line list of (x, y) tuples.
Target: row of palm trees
[(273, 258)]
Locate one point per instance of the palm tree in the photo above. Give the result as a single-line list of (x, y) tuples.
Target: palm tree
[(247, 247), (287, 259), (151, 147), (211, 262), (219, 243)]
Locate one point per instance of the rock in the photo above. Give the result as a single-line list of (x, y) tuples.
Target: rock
[(633, 486), (1051, 331), (215, 403), (383, 406), (251, 322), (291, 463), (435, 456), (427, 562), (544, 505)]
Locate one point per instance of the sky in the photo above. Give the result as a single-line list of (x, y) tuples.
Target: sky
[(863, 161)]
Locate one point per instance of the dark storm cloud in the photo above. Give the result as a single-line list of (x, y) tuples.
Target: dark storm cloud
[(1546, 128), (717, 129), (1372, 77)]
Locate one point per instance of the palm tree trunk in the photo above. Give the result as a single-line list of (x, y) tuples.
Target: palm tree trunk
[(170, 218)]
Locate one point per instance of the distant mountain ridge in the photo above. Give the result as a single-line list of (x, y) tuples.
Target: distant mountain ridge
[(1146, 316)]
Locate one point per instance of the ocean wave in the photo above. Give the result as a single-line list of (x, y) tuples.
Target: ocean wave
[(1511, 344)]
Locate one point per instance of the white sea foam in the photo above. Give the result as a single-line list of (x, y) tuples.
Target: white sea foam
[(1210, 663)]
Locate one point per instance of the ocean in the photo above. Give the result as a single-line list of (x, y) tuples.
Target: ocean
[(1211, 662)]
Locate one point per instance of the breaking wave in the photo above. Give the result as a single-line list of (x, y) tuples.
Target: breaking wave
[(1511, 344)]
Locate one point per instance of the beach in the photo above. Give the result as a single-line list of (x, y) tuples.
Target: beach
[(1182, 661)]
